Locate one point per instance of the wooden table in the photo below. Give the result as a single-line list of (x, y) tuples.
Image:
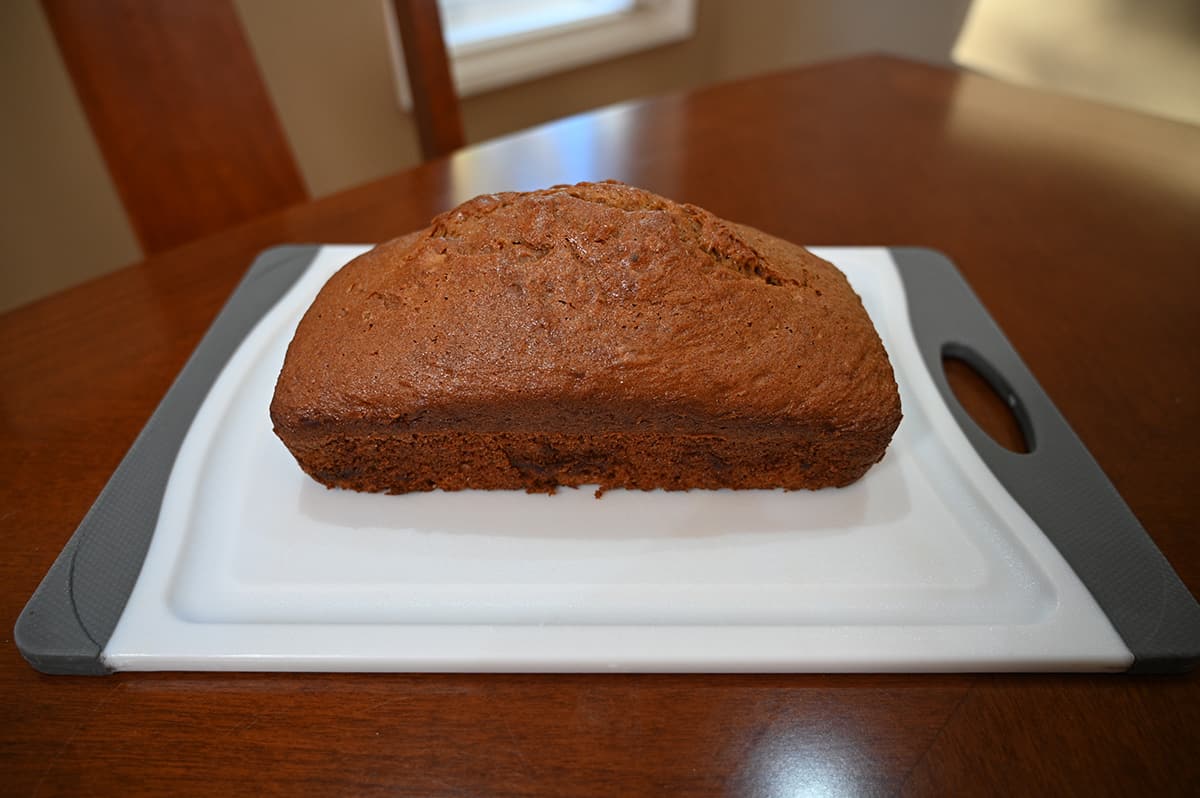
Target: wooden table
[(1078, 226)]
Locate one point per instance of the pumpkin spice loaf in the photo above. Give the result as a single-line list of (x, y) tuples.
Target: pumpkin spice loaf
[(594, 334)]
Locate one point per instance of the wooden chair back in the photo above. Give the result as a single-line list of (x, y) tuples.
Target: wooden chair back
[(180, 113), (183, 118), (435, 101)]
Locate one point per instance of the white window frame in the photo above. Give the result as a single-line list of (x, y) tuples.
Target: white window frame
[(484, 66)]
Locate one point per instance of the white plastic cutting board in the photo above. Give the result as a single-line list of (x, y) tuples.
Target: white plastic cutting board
[(925, 564)]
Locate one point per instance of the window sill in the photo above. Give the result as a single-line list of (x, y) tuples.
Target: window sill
[(484, 66)]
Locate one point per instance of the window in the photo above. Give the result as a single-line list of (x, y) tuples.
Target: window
[(494, 43), (483, 24)]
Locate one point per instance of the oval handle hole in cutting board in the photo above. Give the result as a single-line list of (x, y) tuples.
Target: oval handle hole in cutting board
[(987, 398)]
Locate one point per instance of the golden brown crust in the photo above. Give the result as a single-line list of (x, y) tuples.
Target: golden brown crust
[(583, 311)]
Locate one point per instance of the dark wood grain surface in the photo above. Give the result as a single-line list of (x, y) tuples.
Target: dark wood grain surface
[(1075, 223)]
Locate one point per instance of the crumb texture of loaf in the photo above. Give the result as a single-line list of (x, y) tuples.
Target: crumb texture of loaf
[(587, 334)]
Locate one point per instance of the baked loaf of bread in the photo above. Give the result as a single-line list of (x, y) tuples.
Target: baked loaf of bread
[(588, 334)]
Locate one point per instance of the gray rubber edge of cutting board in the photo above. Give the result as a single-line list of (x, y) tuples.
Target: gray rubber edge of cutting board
[(1058, 482), (71, 616)]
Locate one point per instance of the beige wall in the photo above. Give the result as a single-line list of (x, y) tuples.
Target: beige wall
[(327, 68), (765, 35), (1144, 56), (60, 219)]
